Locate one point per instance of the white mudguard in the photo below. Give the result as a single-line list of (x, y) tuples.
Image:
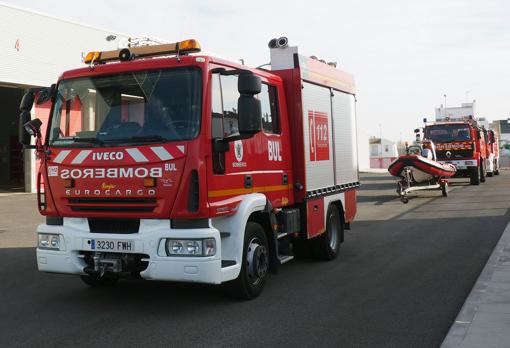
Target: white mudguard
[(232, 246)]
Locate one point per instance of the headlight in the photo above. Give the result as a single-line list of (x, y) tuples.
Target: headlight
[(50, 241), (191, 247)]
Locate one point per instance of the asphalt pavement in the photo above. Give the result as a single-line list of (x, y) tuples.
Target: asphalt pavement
[(402, 277)]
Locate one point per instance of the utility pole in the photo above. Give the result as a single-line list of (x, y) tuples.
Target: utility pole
[(444, 95)]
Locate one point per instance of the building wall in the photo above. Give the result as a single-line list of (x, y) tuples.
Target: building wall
[(37, 48)]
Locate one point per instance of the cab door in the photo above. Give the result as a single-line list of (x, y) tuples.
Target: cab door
[(255, 164)]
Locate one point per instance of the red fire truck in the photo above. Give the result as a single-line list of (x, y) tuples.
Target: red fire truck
[(492, 158), (461, 143), (160, 163)]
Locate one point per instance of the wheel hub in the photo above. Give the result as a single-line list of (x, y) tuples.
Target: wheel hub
[(257, 261)]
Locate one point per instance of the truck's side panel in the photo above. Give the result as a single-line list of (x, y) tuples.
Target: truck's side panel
[(317, 136), (344, 138)]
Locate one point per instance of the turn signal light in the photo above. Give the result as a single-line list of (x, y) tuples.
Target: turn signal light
[(68, 183), (149, 182)]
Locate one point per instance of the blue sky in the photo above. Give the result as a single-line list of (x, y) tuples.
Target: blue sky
[(404, 54)]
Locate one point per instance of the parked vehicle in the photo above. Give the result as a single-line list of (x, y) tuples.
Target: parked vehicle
[(492, 153), (160, 163), (461, 143)]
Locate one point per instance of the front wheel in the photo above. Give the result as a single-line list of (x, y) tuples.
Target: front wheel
[(474, 175), (254, 270), (327, 246)]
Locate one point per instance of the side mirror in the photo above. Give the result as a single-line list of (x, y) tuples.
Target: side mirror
[(250, 115), (248, 83), (27, 102), (249, 107), (24, 136), (33, 127), (478, 135), (45, 94)]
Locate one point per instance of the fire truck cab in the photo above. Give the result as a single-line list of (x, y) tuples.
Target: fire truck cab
[(163, 164), (461, 143)]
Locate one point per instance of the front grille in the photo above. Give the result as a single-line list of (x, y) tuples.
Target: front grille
[(118, 226), (99, 204), (441, 155)]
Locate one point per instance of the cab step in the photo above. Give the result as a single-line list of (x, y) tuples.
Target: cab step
[(285, 258)]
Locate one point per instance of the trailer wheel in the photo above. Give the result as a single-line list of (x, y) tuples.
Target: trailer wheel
[(474, 175), (444, 189), (254, 270), (327, 246), (98, 282)]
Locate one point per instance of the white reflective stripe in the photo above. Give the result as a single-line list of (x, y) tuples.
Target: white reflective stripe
[(136, 155), (81, 156), (181, 148), (62, 156), (162, 153)]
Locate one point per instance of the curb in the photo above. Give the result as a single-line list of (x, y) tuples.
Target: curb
[(483, 328)]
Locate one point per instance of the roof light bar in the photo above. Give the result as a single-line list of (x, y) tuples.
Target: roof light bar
[(182, 47)]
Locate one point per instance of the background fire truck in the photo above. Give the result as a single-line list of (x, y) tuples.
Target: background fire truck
[(459, 140), (166, 165), (492, 159)]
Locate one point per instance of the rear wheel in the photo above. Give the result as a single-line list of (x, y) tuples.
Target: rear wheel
[(474, 175), (97, 281), (327, 246), (482, 171), (253, 275)]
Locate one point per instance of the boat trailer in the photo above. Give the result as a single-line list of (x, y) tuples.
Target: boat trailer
[(406, 185)]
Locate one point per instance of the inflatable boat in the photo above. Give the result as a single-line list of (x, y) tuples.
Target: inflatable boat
[(418, 170)]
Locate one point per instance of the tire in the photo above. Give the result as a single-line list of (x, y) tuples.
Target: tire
[(254, 270), (327, 246), (496, 167), (496, 172), (482, 171), (490, 174), (474, 175), (444, 189), (98, 282)]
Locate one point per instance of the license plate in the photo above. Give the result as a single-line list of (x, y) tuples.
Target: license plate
[(125, 246)]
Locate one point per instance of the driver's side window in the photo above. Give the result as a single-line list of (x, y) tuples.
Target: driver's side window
[(224, 106)]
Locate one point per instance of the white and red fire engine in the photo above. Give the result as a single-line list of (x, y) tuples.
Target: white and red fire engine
[(161, 163), (460, 141)]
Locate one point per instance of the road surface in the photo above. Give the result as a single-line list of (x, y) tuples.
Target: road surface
[(402, 277)]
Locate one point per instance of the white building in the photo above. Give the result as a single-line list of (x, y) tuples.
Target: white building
[(382, 152), (35, 50), (456, 112)]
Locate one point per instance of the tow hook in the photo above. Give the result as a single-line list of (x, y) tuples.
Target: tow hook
[(103, 264)]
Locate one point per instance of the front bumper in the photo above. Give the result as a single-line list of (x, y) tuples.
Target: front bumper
[(461, 164), (149, 241)]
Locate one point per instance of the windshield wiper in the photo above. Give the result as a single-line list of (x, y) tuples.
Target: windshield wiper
[(139, 138), (87, 140)]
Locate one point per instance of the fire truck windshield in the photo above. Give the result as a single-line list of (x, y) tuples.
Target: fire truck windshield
[(127, 108), (448, 132)]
